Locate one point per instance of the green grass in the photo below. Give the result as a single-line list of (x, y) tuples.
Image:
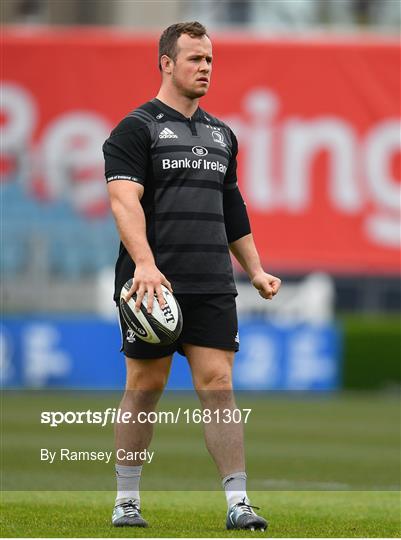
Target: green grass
[(324, 466), (202, 514)]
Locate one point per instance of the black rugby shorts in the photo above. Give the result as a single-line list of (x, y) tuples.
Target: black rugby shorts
[(210, 320)]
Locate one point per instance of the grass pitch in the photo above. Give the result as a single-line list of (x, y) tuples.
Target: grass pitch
[(318, 466), (202, 514)]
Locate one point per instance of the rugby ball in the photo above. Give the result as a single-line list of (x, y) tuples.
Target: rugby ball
[(161, 327)]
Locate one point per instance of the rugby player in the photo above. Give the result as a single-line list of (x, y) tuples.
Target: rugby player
[(172, 182)]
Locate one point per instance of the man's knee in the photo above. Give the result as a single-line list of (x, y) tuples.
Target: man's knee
[(211, 368), (146, 382), (214, 380)]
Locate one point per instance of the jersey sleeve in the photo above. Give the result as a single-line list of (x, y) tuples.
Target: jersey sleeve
[(126, 152), (236, 218)]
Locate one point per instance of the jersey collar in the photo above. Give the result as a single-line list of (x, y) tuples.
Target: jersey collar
[(176, 114)]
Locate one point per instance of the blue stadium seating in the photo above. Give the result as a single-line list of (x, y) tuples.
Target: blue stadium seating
[(74, 246)]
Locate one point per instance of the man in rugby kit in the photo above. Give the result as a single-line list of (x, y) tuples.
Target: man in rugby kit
[(171, 173)]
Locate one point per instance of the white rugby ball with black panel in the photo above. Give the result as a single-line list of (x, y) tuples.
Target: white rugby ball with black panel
[(162, 326)]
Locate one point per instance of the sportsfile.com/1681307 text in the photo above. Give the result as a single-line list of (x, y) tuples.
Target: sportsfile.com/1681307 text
[(116, 416)]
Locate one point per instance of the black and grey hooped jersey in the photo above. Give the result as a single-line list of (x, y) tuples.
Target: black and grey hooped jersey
[(185, 166)]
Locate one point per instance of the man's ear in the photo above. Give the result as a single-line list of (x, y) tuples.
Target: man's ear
[(166, 63)]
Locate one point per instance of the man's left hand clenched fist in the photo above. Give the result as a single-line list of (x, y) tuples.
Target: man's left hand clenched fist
[(266, 284)]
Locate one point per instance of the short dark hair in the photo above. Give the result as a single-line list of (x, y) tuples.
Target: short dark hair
[(168, 39)]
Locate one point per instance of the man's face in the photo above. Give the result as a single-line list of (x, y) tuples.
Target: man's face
[(193, 66)]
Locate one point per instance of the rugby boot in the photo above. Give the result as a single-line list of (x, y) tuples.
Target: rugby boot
[(242, 516), (127, 514)]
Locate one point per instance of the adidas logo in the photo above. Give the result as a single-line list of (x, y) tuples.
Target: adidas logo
[(167, 134)]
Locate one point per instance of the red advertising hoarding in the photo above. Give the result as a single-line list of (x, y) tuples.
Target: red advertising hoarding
[(318, 124)]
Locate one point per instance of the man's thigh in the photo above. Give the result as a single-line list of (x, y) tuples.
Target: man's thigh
[(148, 375), (209, 340)]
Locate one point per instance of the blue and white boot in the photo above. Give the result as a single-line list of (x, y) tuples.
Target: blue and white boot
[(242, 516), (127, 514)]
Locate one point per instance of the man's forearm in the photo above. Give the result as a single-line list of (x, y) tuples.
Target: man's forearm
[(244, 250), (131, 225)]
